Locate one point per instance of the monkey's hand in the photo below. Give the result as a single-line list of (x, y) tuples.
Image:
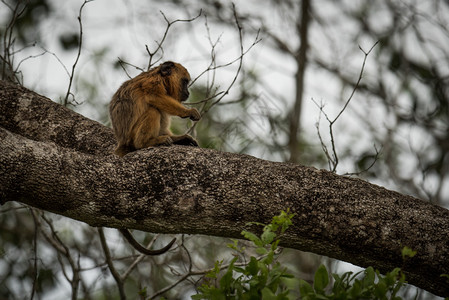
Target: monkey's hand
[(163, 140), (185, 140), (194, 115), (192, 142)]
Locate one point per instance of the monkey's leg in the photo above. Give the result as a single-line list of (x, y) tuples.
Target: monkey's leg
[(185, 139), (146, 131)]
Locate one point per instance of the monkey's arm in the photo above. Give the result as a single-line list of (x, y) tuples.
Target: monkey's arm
[(172, 107), (142, 249)]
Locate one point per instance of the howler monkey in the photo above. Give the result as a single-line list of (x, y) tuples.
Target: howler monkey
[(140, 110), (140, 113)]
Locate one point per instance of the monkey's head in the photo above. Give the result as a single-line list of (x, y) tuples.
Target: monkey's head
[(176, 80)]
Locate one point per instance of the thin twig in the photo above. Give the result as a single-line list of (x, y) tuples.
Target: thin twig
[(358, 80), (213, 67), (184, 277), (63, 250), (35, 271), (8, 43), (112, 269), (160, 43), (72, 74), (122, 63), (333, 160), (375, 159)]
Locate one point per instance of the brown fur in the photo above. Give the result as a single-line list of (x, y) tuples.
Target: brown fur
[(140, 110)]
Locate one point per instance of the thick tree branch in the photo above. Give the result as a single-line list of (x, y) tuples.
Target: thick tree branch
[(56, 160)]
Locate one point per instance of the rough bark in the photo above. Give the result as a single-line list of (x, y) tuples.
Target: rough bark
[(56, 160)]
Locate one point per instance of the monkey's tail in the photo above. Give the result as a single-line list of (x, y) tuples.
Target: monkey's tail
[(128, 236)]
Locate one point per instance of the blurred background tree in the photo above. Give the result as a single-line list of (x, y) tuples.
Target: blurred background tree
[(271, 104)]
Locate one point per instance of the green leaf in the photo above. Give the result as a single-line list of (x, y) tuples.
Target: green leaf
[(305, 288), (234, 245), (261, 250), (370, 276), (356, 289), (268, 237), (274, 245), (391, 277), (269, 258), (226, 280), (214, 272), (321, 279), (252, 237), (380, 290), (239, 270), (267, 294), (407, 252), (253, 266), (255, 223)]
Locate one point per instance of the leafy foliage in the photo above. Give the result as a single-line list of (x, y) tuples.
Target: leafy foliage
[(367, 284), (263, 277)]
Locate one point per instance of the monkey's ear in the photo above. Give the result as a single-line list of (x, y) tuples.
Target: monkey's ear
[(166, 68)]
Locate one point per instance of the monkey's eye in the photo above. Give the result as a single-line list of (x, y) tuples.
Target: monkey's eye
[(185, 81)]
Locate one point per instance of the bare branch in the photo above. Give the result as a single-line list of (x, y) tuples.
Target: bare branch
[(160, 43), (35, 272), (181, 279), (333, 159), (123, 63), (375, 159), (118, 279), (8, 71), (80, 45), (213, 66), (62, 251), (358, 80)]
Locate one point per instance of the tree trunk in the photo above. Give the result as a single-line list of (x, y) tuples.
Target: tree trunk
[(56, 160), (301, 62)]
